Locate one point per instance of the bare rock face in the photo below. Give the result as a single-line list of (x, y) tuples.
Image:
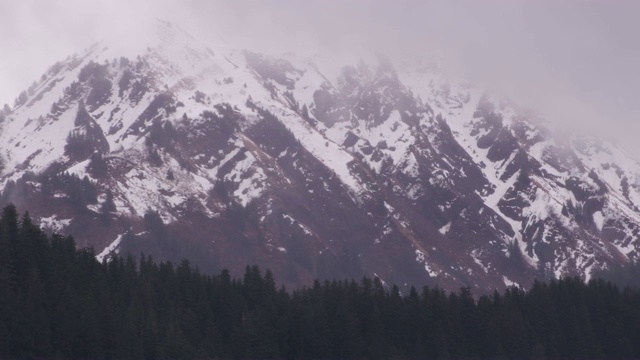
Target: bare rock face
[(231, 158)]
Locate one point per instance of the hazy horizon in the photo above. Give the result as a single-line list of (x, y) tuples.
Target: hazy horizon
[(573, 61)]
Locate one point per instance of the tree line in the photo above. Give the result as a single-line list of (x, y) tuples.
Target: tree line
[(57, 301)]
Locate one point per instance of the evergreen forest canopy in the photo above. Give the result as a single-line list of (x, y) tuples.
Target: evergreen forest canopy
[(60, 302)]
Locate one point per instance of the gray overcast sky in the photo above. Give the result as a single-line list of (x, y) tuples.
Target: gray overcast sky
[(576, 61)]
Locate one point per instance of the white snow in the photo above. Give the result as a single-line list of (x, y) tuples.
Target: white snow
[(420, 257), (508, 282), (475, 255), (325, 150), (52, 223), (598, 219), (112, 248), (302, 226), (501, 189), (443, 230), (80, 169), (539, 209)]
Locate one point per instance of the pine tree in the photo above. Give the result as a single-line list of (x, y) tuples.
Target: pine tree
[(97, 167), (21, 99), (106, 208)]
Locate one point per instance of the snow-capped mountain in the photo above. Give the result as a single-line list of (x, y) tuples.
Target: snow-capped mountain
[(313, 168)]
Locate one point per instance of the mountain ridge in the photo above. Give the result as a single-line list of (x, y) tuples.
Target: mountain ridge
[(237, 157)]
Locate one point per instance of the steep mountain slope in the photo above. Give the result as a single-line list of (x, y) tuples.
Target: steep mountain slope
[(228, 157)]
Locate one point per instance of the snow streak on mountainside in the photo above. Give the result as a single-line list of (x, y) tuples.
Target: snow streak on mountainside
[(230, 157)]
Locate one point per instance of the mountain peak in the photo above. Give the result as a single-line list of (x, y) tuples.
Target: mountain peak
[(157, 38)]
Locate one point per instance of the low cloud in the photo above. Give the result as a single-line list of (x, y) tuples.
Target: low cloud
[(574, 61)]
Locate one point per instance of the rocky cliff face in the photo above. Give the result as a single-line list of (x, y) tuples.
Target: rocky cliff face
[(311, 168)]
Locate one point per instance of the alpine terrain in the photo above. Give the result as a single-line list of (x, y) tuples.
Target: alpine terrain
[(311, 167)]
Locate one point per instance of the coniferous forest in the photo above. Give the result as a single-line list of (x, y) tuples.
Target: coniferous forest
[(60, 302)]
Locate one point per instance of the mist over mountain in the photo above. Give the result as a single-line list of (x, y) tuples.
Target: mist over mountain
[(572, 61)]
